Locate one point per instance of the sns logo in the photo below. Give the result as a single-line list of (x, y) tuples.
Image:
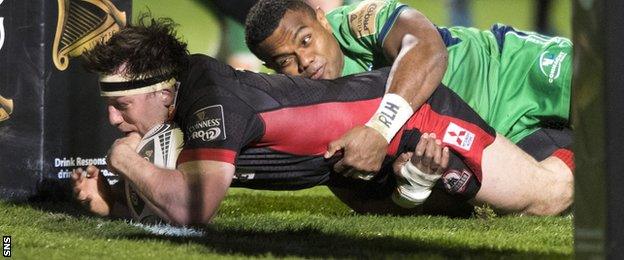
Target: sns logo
[(458, 136), (6, 246), (207, 135)]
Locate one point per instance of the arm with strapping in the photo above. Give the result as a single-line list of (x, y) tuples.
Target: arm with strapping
[(419, 62)]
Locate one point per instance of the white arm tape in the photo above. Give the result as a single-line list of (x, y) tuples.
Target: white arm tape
[(391, 115), (413, 186)]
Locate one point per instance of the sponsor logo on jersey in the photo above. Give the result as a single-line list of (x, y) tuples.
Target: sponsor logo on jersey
[(458, 136), (456, 181), (148, 154), (550, 64), (208, 124), (362, 20)]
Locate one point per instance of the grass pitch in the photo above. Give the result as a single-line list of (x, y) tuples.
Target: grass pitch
[(304, 224)]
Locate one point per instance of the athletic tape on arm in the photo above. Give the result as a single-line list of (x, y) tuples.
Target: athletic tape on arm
[(391, 115)]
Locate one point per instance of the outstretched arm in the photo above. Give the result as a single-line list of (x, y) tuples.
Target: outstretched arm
[(419, 63)]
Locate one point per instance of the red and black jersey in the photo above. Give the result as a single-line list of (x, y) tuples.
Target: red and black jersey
[(275, 128)]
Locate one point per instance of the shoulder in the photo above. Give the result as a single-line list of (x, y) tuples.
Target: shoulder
[(364, 24), (367, 17)]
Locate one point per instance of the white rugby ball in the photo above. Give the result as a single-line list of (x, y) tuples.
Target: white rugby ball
[(161, 146)]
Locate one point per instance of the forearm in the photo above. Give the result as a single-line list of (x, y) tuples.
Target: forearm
[(168, 191), (419, 62)]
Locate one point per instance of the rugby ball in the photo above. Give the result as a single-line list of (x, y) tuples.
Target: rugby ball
[(161, 146)]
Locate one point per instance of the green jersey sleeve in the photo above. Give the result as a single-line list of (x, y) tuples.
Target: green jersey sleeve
[(361, 30)]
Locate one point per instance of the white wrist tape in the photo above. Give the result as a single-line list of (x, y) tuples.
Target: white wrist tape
[(391, 115), (413, 186)]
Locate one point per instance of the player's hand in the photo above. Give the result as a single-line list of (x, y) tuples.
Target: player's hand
[(429, 156), (121, 148), (131, 141), (364, 150), (92, 190)]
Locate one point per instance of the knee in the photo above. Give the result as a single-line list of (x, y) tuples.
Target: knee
[(559, 197)]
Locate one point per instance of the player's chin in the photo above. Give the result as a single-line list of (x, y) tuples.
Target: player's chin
[(330, 73), (319, 73), (128, 133)]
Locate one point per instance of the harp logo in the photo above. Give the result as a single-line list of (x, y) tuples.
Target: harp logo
[(82, 24), (1, 30), (6, 105), (6, 108)]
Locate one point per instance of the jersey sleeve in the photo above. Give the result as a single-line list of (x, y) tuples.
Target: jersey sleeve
[(216, 127), (366, 24)]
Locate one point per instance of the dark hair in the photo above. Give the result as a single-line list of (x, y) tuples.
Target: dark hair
[(150, 46), (265, 16)]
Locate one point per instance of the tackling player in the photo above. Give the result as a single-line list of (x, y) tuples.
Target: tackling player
[(270, 132), (518, 82)]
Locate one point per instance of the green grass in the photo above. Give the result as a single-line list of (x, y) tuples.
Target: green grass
[(306, 224)]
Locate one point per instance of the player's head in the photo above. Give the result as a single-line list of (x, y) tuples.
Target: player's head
[(293, 38), (137, 68)]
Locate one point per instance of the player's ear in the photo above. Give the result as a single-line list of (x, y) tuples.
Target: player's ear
[(320, 17), (167, 96)]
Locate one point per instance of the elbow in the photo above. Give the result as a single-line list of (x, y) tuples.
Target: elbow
[(409, 41), (177, 217), (180, 220), (434, 48), (440, 57), (440, 61)]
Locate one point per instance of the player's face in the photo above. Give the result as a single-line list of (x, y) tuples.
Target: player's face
[(136, 113), (303, 45)]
